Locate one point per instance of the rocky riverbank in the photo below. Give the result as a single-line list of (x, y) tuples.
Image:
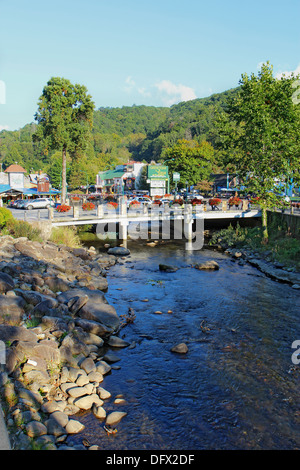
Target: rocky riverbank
[(55, 328), (261, 261)]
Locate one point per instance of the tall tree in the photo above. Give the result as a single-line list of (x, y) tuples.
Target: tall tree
[(65, 119), (192, 160), (262, 128)]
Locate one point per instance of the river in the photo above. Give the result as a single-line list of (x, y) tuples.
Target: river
[(236, 388)]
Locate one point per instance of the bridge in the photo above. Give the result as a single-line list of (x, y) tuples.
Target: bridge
[(186, 219)]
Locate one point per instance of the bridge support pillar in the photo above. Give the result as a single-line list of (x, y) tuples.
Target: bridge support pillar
[(188, 223), (123, 209), (123, 229)]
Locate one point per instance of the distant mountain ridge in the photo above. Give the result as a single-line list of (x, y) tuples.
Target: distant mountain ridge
[(122, 134)]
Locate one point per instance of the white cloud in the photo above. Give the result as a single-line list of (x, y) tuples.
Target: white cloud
[(142, 91), (172, 93), (288, 73), (4, 128), (130, 84)]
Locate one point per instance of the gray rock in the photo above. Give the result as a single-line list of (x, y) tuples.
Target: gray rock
[(45, 308), (33, 297), (167, 268), (208, 265), (103, 394), (115, 417), (60, 417), (117, 342), (52, 406), (86, 402), (6, 282), (180, 348), (118, 251), (93, 327), (103, 367), (54, 428), (13, 333), (11, 309), (88, 365), (36, 429), (74, 426), (99, 412), (110, 357)]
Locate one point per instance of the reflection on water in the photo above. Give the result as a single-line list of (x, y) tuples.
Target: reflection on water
[(236, 388)]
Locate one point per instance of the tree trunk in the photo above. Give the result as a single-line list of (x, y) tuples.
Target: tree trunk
[(64, 176), (264, 225)]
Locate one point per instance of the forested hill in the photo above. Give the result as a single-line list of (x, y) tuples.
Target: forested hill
[(121, 134)]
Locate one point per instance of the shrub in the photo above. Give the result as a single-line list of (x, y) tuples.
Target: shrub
[(88, 206), (112, 205), (234, 201), (196, 202), (21, 228), (63, 208), (215, 201), (65, 236), (5, 216)]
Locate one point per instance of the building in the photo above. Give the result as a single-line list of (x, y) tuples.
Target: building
[(125, 177), (14, 184)]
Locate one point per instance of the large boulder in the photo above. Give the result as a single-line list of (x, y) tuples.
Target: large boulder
[(167, 268), (11, 309), (6, 283), (118, 251), (210, 265), (96, 308), (10, 333)]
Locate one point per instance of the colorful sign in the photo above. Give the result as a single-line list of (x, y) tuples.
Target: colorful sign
[(158, 172)]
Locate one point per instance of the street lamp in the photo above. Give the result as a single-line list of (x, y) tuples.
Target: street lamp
[(87, 180)]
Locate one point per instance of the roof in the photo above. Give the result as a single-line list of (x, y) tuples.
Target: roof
[(110, 174), (15, 169), (5, 188)]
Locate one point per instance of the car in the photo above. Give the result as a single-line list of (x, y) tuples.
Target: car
[(40, 203), (14, 203), (19, 203), (142, 200)]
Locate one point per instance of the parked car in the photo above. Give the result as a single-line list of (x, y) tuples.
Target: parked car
[(41, 203), (141, 200), (14, 203), (20, 204)]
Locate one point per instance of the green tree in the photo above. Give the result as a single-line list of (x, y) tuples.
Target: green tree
[(262, 127), (65, 119), (192, 160)]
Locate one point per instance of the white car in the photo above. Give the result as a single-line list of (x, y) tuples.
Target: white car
[(141, 200), (40, 203)]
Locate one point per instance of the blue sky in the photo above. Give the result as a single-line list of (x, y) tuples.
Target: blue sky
[(152, 52)]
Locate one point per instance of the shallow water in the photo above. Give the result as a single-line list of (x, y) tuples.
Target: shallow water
[(236, 388)]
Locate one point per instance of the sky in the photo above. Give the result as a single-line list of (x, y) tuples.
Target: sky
[(142, 52)]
